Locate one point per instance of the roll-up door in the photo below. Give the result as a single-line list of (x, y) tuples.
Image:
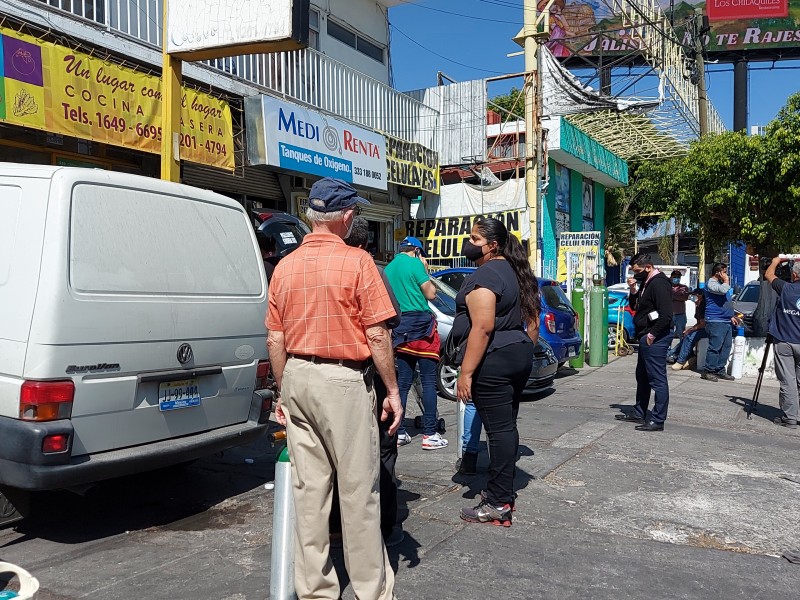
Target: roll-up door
[(251, 181)]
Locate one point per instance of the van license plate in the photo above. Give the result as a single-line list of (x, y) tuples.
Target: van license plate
[(178, 394), (571, 352)]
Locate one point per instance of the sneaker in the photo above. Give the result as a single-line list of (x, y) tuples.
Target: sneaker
[(488, 513), (784, 422), (678, 366), (725, 376), (433, 442), (708, 376), (403, 439), (691, 363), (671, 360), (512, 504)]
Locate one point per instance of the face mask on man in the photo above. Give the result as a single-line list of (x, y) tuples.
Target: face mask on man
[(641, 276), (472, 252), (693, 298), (676, 280)]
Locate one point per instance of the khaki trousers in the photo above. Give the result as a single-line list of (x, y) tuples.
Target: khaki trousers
[(331, 429)]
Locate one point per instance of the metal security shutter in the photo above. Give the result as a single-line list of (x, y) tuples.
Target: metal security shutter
[(257, 181)]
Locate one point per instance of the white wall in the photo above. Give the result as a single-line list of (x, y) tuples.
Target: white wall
[(365, 17)]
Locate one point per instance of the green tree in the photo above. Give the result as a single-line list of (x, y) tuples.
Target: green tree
[(513, 102), (733, 186)]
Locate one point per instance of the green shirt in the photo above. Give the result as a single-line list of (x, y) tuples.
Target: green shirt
[(406, 273)]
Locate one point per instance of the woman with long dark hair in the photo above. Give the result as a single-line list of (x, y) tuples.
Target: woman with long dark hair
[(494, 308)]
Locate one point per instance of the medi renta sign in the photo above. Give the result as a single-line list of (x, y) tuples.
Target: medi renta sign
[(292, 137)]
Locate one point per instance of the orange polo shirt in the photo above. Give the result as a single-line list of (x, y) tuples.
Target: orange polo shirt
[(324, 295)]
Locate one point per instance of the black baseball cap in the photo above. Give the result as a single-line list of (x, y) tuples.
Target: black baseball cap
[(330, 194)]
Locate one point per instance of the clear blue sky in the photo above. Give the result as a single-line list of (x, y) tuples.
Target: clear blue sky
[(473, 44)]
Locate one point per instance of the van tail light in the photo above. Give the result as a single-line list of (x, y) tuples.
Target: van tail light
[(262, 375), (550, 321), (46, 400), (577, 322), (55, 444)]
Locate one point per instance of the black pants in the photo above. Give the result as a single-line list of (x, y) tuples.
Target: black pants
[(651, 376), (388, 481), (496, 392)]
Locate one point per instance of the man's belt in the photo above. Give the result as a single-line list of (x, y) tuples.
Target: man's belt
[(358, 365)]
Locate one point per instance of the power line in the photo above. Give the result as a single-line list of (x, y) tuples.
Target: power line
[(405, 35), (448, 12)]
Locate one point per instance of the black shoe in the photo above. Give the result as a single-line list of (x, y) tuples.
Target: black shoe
[(629, 418), (469, 464), (725, 376), (671, 360), (784, 422), (651, 426), (709, 376)]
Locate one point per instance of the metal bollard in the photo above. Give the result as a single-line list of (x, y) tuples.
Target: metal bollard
[(462, 407), (281, 585)]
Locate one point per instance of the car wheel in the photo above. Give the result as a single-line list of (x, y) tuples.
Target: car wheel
[(612, 336), (446, 379)]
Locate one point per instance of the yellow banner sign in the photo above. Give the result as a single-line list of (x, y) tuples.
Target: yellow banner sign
[(50, 87), (444, 237), (412, 165)]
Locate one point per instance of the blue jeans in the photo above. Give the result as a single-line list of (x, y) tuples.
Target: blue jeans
[(686, 347), (677, 328), (651, 376), (720, 338), (406, 365), (471, 437)]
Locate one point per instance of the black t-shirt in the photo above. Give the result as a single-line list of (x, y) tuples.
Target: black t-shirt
[(499, 277)]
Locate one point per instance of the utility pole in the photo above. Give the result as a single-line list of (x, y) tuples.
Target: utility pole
[(531, 49), (702, 101), (171, 80)]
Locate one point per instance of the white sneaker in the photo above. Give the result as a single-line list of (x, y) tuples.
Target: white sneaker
[(677, 366), (433, 442), (403, 439)]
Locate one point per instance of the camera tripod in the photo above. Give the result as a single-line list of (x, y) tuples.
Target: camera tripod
[(754, 401)]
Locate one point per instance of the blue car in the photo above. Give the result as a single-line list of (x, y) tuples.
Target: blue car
[(559, 322), (618, 304)]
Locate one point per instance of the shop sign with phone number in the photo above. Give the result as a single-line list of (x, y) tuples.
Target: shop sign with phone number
[(52, 88)]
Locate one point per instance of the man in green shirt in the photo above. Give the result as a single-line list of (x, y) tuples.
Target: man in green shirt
[(416, 340)]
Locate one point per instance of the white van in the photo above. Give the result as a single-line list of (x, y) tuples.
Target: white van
[(132, 329)]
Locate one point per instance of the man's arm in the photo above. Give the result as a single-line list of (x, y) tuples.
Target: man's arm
[(276, 346), (380, 347), (428, 290), (680, 293), (774, 281), (717, 287)]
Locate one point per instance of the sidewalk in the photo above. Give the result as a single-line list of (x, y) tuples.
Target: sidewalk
[(604, 511)]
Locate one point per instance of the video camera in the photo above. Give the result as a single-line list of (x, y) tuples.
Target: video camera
[(782, 271)]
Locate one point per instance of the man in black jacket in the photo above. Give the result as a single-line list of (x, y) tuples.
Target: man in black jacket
[(651, 298)]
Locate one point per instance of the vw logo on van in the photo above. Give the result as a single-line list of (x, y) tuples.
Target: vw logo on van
[(185, 354)]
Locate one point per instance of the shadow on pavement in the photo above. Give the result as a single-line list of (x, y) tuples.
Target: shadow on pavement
[(538, 395), (764, 411), (177, 497)]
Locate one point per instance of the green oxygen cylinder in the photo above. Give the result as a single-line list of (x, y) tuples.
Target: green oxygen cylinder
[(580, 308), (597, 307), (605, 326)]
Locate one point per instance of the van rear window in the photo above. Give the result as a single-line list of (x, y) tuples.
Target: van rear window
[(130, 241)]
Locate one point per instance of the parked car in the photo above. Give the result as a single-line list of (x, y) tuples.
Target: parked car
[(543, 372), (746, 301), (444, 307), (559, 322)]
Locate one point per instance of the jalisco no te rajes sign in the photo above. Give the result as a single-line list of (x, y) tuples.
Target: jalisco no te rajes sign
[(50, 87)]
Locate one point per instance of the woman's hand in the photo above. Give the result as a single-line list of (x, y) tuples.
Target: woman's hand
[(464, 388)]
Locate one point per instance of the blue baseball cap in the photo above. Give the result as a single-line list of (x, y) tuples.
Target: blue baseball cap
[(413, 242), (329, 195)]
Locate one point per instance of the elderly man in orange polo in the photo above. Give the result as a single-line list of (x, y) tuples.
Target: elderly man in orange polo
[(327, 333)]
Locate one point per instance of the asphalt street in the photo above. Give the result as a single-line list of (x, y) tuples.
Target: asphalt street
[(702, 510)]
